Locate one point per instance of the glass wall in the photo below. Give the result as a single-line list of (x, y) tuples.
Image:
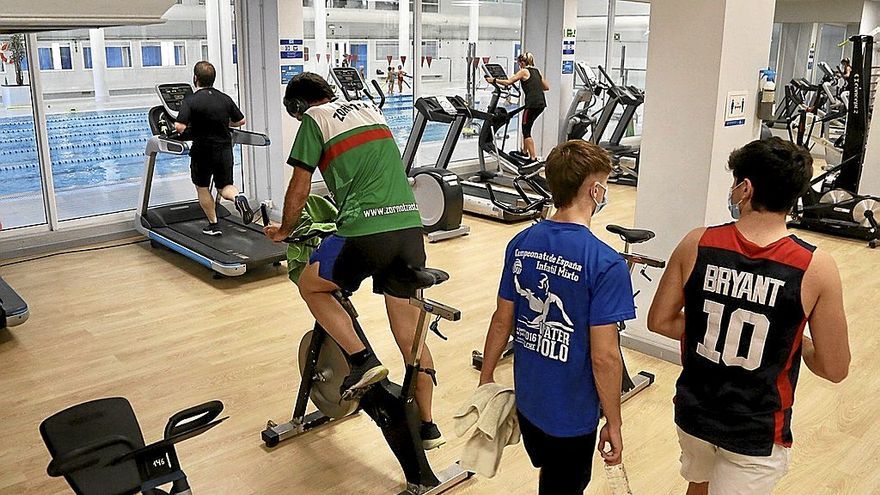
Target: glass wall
[(497, 25), (21, 186), (629, 43), (97, 126)]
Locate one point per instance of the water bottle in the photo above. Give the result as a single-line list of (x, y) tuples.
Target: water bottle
[(617, 479)]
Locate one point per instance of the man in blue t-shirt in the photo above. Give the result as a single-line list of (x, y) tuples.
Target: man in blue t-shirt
[(562, 294)]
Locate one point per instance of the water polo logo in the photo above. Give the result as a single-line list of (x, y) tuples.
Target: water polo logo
[(517, 267)]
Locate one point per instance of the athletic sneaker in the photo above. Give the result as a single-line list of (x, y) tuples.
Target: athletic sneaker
[(431, 436), (212, 229), (361, 377), (244, 208)]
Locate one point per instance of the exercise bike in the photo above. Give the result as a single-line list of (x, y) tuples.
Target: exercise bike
[(631, 385), (98, 447), (324, 365)]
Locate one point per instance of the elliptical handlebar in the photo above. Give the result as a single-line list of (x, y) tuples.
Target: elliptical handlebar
[(379, 92)]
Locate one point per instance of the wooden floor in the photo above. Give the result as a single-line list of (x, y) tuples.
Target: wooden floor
[(153, 327)]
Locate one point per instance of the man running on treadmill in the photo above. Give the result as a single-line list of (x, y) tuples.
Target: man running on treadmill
[(379, 229), (738, 297), (208, 114), (562, 293)]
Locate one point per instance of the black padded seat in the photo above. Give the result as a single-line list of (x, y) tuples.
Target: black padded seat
[(632, 236), (427, 277), (75, 428)]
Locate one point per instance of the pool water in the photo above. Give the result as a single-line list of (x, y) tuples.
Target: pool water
[(106, 147)]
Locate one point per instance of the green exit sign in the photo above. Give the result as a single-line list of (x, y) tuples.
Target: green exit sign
[(570, 33)]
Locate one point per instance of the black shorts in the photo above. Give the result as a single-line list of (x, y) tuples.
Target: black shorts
[(530, 115), (387, 257), (211, 160), (565, 462)]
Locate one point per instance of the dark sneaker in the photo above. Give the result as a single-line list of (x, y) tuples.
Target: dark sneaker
[(431, 436), (244, 208), (361, 377), (212, 229)]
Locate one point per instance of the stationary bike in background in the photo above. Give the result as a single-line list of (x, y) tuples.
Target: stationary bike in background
[(323, 366), (832, 203)]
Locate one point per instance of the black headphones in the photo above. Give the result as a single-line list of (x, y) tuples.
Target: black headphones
[(295, 106)]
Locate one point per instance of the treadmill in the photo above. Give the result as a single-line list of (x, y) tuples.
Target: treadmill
[(13, 309), (178, 226)]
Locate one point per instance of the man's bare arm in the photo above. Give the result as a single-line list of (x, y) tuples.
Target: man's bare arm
[(496, 339), (295, 199), (666, 316), (827, 354)]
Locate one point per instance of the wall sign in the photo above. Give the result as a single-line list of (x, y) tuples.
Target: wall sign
[(735, 109), (288, 71)]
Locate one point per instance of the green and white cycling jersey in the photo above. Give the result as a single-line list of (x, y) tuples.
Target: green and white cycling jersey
[(352, 146)]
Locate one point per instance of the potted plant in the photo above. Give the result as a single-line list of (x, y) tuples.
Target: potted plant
[(13, 52)]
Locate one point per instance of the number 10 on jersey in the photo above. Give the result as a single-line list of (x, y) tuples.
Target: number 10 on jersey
[(708, 348)]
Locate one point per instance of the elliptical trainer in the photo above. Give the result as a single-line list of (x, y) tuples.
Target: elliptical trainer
[(832, 203)]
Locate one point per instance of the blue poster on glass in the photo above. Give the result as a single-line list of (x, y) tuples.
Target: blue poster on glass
[(568, 66), (288, 71)]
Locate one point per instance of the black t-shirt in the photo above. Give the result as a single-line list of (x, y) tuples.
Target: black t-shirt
[(207, 114), (533, 87)]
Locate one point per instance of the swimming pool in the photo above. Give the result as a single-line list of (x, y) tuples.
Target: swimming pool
[(106, 147)]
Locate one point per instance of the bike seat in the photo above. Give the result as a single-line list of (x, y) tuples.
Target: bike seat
[(631, 236), (427, 277)]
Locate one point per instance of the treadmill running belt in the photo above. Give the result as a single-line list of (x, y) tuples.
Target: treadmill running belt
[(238, 244)]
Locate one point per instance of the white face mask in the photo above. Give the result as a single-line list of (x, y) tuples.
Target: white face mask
[(734, 207), (604, 203)]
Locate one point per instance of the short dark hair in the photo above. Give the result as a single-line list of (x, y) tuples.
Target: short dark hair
[(570, 164), (309, 87), (779, 170), (205, 73)]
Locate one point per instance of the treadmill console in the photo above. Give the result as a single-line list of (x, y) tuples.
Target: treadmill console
[(349, 81), (494, 71), (586, 74), (172, 96)]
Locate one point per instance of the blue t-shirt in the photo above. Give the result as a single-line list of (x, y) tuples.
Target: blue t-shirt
[(562, 280)]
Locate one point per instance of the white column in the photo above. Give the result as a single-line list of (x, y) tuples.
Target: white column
[(218, 17), (99, 65), (212, 21), (403, 41), (227, 76), (683, 179), (544, 26), (417, 50), (474, 23), (321, 36), (167, 48)]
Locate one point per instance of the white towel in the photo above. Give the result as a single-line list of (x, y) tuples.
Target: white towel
[(492, 409)]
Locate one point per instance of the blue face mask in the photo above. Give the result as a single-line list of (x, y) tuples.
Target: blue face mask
[(604, 202), (734, 207)]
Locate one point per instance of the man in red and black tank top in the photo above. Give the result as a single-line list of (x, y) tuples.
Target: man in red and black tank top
[(739, 297)]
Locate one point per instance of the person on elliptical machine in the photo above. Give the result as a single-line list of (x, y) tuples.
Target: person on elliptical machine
[(208, 114), (533, 86), (739, 296), (562, 293), (379, 229)]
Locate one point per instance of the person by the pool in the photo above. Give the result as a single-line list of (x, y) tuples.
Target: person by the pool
[(208, 114)]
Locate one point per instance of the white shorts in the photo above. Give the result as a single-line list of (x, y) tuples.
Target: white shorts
[(729, 473)]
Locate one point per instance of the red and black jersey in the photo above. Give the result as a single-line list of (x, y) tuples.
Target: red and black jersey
[(741, 352)]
